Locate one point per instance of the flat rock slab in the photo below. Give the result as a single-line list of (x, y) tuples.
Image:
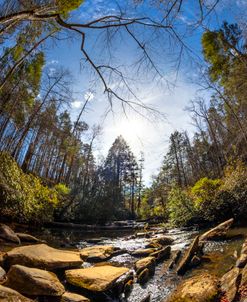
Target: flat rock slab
[(42, 256), (10, 295), (71, 297), (33, 281), (218, 232), (202, 288), (8, 234), (99, 253), (97, 278)]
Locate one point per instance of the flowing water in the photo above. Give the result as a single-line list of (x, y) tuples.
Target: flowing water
[(219, 256)]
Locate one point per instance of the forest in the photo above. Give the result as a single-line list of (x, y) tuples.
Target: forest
[(50, 172), (123, 151)]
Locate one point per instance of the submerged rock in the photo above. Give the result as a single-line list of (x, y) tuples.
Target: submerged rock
[(28, 238), (230, 283), (97, 278), (71, 297), (10, 295), (202, 288), (186, 259), (219, 232), (33, 281), (8, 234), (99, 253), (42, 256)]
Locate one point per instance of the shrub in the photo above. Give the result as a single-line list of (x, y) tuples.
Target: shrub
[(23, 197), (204, 194), (181, 207)]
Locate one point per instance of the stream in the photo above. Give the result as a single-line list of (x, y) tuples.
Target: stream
[(219, 255)]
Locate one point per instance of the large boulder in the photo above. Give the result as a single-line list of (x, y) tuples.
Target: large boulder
[(8, 234), (143, 252), (28, 238), (42, 256), (242, 261), (162, 254), (186, 259), (148, 262), (219, 232), (33, 281), (143, 277), (163, 240), (10, 295), (99, 253), (97, 278), (71, 297), (230, 283), (202, 288)]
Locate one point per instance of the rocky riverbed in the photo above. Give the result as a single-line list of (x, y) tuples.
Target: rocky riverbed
[(155, 265)]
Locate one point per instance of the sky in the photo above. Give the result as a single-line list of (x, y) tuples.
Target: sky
[(170, 94)]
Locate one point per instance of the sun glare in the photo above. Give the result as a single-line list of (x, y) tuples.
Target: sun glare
[(131, 130)]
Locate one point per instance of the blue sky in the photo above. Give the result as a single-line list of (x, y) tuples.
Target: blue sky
[(169, 95)]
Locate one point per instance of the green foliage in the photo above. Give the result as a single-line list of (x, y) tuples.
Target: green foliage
[(204, 190), (23, 196), (66, 6), (62, 189), (180, 207), (152, 206)]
